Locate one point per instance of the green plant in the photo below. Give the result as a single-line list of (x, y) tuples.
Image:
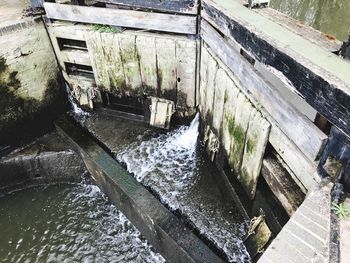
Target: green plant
[(341, 210), (104, 28)]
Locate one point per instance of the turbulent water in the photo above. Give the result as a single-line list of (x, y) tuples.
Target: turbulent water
[(172, 165), (72, 223)]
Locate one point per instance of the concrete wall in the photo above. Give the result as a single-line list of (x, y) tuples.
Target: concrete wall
[(30, 95)]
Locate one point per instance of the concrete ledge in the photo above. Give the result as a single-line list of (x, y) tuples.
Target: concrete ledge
[(162, 229)]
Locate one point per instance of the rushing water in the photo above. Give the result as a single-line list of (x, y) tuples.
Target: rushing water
[(174, 167), (329, 16), (73, 223)]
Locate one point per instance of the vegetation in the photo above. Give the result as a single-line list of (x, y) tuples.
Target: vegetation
[(341, 210), (105, 29)]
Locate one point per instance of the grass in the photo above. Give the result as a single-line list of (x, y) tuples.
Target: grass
[(341, 210), (104, 29)]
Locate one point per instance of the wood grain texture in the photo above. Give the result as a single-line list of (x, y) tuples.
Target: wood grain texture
[(221, 82), (166, 68), (301, 168), (169, 6), (131, 64), (230, 101), (203, 80), (282, 185), (212, 68), (254, 150), (186, 55), (146, 49), (301, 131), (123, 18), (238, 130), (322, 78)]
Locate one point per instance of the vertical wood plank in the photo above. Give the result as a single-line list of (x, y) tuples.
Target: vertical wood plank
[(255, 144), (146, 48), (186, 72), (220, 88), (230, 101), (203, 80), (238, 130), (130, 59), (113, 62), (166, 68), (210, 89), (94, 45)]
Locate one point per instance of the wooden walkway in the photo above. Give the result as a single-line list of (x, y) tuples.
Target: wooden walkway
[(305, 238)]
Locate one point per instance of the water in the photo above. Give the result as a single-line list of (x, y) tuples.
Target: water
[(329, 16), (73, 223), (78, 113), (174, 166)]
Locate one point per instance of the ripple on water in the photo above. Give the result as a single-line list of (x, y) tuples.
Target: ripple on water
[(171, 166), (68, 224)]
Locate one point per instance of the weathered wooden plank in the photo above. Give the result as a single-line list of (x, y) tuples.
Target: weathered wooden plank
[(97, 56), (186, 57), (75, 56), (282, 185), (221, 82), (210, 90), (299, 166), (131, 64), (170, 6), (305, 134), (146, 49), (166, 68), (255, 144), (322, 78), (203, 80), (113, 62), (230, 101), (238, 130), (124, 18), (68, 30)]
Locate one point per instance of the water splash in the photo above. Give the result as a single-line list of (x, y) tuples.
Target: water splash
[(168, 161), (73, 223), (78, 113), (173, 167)]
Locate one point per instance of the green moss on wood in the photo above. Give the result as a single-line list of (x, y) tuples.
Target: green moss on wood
[(105, 29)]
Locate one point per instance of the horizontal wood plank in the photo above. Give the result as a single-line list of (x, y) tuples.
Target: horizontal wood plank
[(301, 131), (321, 77), (124, 18), (169, 6)]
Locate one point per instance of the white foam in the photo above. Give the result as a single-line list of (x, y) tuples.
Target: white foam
[(76, 111)]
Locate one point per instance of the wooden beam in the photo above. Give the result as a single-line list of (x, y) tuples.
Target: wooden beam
[(75, 56), (124, 18), (282, 185), (169, 6), (301, 168), (322, 78), (254, 150), (301, 131)]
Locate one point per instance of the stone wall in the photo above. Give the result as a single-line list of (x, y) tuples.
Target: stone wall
[(30, 96)]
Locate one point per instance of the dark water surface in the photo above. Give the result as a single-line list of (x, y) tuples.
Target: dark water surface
[(71, 223), (329, 16)]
